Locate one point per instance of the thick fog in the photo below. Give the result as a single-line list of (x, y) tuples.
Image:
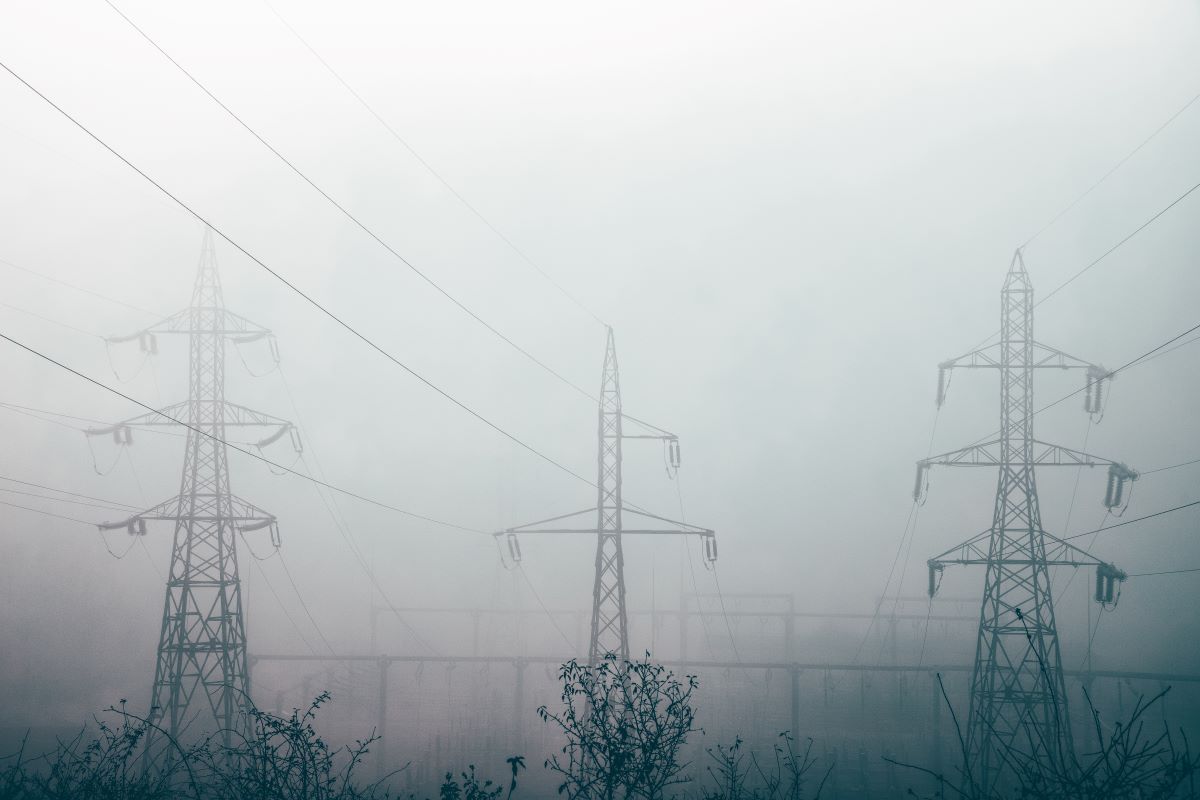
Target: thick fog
[(788, 213)]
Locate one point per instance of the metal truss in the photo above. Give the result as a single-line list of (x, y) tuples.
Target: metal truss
[(201, 676), (609, 628), (1018, 708)]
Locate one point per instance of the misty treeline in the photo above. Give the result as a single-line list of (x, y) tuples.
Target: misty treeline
[(622, 728)]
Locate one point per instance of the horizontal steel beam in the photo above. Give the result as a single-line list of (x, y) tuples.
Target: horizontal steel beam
[(1165, 677)]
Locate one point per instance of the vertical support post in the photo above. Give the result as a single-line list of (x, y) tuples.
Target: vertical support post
[(381, 719), (795, 683), (935, 711), (475, 632), (519, 707), (789, 630), (897, 677), (683, 627), (374, 622)]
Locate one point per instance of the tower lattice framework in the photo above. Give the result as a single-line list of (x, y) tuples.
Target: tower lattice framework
[(1018, 701), (609, 628), (201, 676), (609, 634)]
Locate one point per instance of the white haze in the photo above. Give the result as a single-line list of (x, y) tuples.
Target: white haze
[(789, 213)]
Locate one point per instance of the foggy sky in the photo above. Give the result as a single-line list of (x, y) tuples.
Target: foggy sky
[(788, 213)]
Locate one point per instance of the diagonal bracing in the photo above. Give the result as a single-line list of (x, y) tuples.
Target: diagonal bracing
[(609, 629), (1018, 705), (201, 678)]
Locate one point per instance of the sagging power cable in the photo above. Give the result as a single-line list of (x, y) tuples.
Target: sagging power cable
[(293, 287), (244, 451), (345, 212)]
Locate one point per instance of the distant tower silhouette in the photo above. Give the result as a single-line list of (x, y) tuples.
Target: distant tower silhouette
[(609, 631), (202, 644), (1018, 706), (609, 634)]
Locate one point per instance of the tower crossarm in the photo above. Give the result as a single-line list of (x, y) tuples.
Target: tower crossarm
[(1044, 454), (544, 526), (655, 433), (1044, 357), (1058, 553), (232, 416), (1041, 356), (237, 328), (229, 324), (200, 508)]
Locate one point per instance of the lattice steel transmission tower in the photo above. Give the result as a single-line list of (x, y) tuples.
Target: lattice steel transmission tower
[(609, 629), (202, 643), (1018, 703)]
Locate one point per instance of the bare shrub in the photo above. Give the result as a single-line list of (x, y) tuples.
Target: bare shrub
[(1132, 761), (624, 724)]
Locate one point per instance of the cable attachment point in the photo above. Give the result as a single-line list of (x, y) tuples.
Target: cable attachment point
[(941, 389), (671, 456), (272, 524), (1107, 577), (122, 434), (136, 526), (514, 547), (147, 341), (935, 577), (278, 434), (1093, 396), (1114, 493), (921, 484)]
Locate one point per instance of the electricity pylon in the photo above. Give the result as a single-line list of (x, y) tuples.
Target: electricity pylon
[(202, 643), (609, 632), (1018, 705)]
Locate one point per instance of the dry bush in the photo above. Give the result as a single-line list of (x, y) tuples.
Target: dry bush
[(624, 724), (1133, 761)]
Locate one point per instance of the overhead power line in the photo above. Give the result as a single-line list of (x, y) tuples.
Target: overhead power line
[(429, 168), (345, 212), (61, 282), (1133, 362), (120, 506), (287, 615), (1127, 365), (1115, 167), (1144, 473), (1134, 520), (111, 503), (234, 446), (1110, 250), (103, 504), (312, 620), (308, 298), (48, 513), (1100, 258), (1163, 572), (51, 320)]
